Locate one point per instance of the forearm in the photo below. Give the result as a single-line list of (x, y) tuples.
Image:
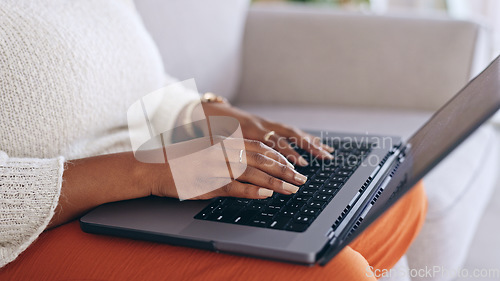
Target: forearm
[(90, 182)]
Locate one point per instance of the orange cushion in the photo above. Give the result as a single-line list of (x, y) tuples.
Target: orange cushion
[(67, 253)]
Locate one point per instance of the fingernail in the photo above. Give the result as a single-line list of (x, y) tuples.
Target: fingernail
[(264, 192), (290, 165), (329, 148), (290, 187), (300, 178), (302, 161), (327, 155)]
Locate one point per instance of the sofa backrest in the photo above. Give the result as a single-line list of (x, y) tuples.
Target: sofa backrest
[(302, 55)]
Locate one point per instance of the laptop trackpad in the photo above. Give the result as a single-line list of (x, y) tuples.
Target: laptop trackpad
[(232, 233)]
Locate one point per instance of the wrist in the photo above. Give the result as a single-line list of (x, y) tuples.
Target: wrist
[(90, 182), (215, 109), (141, 179), (156, 179)]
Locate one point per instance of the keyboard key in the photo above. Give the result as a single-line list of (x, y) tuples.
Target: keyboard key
[(218, 210), (339, 178), (256, 207), (279, 223), (299, 227), (328, 191), (315, 163), (319, 180), (240, 201), (296, 205), (323, 175), (211, 207), (316, 204), (281, 200), (314, 185), (244, 216), (202, 215), (220, 217), (263, 201), (334, 184), (343, 173), (330, 168), (302, 198), (233, 209), (303, 219), (306, 192), (269, 213), (323, 197), (288, 213), (261, 222), (310, 211), (219, 201), (349, 167), (274, 206), (283, 197), (308, 171)]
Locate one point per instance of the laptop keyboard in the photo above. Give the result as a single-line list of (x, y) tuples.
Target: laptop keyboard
[(294, 212)]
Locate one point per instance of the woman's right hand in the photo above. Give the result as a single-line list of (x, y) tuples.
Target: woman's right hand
[(196, 173), (90, 182)]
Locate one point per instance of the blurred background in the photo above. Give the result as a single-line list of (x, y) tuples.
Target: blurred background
[(485, 12), (360, 66)]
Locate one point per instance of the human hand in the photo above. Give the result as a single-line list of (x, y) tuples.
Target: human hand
[(256, 170), (257, 128)]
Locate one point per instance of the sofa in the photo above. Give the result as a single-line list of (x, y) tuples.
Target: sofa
[(324, 69)]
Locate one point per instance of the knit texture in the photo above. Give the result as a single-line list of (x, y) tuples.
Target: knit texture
[(69, 70), (30, 192)]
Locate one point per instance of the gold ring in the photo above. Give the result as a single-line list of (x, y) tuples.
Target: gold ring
[(268, 135), (241, 156)]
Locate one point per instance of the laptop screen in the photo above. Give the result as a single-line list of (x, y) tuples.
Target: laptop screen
[(455, 121), (444, 131)]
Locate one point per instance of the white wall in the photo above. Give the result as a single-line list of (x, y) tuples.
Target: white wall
[(483, 11), (487, 11)]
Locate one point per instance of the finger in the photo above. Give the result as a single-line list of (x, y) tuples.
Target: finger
[(273, 168), (234, 146), (242, 190), (317, 141), (314, 146), (296, 135), (257, 177), (307, 142), (260, 147), (280, 144)]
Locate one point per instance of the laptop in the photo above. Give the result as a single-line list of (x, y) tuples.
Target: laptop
[(341, 198)]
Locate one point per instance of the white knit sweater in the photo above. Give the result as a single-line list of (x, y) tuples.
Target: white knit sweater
[(69, 70)]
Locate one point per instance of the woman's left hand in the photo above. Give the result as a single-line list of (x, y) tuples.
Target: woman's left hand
[(273, 134)]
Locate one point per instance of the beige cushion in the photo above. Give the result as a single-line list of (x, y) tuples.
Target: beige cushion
[(311, 56)]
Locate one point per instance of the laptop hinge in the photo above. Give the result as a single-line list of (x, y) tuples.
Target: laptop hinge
[(398, 153)]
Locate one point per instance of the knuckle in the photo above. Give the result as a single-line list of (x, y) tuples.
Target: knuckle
[(269, 153), (249, 172), (255, 143), (260, 145), (246, 191), (272, 181), (283, 169), (292, 158), (292, 130), (228, 188), (259, 158)]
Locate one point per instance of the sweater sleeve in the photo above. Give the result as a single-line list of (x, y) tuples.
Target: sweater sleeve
[(175, 97), (29, 193)]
